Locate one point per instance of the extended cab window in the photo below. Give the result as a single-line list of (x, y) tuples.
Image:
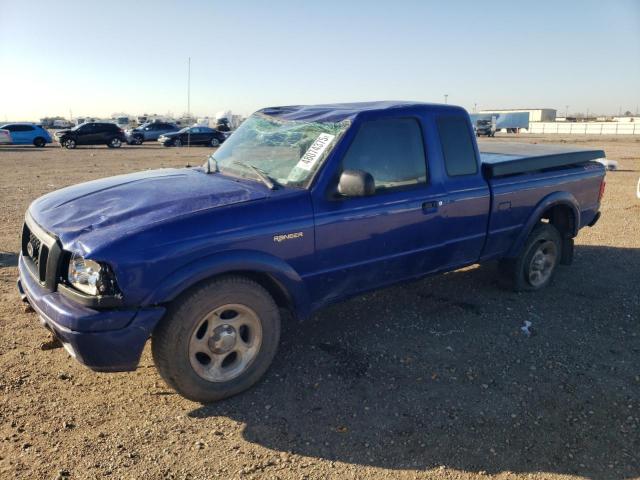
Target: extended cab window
[(457, 147), (391, 150)]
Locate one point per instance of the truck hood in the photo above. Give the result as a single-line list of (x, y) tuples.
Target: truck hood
[(115, 206)]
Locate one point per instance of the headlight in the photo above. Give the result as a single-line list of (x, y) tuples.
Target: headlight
[(91, 277)]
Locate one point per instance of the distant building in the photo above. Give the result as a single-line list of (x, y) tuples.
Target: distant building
[(535, 114), (626, 119)]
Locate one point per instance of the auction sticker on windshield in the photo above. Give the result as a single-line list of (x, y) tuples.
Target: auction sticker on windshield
[(315, 151)]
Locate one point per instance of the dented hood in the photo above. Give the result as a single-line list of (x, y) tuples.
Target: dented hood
[(115, 206)]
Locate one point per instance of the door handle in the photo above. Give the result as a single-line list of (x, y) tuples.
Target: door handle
[(432, 206)]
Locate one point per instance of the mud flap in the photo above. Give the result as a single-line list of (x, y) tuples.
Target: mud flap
[(567, 251)]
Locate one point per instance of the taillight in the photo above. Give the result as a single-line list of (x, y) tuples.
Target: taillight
[(601, 193)]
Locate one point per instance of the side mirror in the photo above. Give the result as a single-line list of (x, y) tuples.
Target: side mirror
[(356, 183)]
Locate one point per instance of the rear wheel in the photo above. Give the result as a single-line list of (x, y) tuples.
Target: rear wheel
[(39, 142), (69, 143), (114, 143), (218, 339), (534, 268)]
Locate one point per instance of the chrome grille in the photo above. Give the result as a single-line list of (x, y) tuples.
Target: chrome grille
[(33, 249), (41, 254)]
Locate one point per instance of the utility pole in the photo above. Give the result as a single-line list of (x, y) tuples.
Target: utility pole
[(587, 117), (566, 111), (475, 107), (189, 101), (446, 96)]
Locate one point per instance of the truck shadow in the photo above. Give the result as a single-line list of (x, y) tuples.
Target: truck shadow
[(8, 259), (439, 373)]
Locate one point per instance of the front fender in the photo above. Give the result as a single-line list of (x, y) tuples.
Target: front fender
[(233, 261), (551, 200)]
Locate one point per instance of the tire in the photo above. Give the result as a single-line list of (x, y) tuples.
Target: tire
[(177, 142), (39, 142), (114, 143), (536, 265), (215, 142), (137, 140), (194, 340), (69, 143)]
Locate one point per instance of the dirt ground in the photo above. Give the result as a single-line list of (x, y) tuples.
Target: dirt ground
[(432, 379)]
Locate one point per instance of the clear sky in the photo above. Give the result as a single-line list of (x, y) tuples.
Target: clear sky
[(97, 58)]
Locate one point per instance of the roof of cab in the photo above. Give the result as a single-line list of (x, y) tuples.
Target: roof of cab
[(337, 112)]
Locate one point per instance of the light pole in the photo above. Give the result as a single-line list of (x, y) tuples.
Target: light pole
[(446, 96), (475, 107), (189, 101), (566, 111)]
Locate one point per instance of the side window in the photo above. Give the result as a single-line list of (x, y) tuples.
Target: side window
[(392, 151), (457, 147), (11, 128), (22, 128)]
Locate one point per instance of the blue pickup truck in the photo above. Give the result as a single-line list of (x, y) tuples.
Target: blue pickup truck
[(302, 206)]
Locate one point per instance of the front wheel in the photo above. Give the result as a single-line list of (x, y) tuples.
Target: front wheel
[(218, 339), (114, 143), (69, 143), (215, 142), (534, 268), (39, 142), (177, 142)]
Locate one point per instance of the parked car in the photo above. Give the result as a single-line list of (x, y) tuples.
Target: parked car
[(149, 131), (93, 133), (196, 135), (5, 137), (486, 127), (27, 134), (299, 208)]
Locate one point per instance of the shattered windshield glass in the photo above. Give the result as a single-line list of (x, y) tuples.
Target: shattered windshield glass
[(288, 152)]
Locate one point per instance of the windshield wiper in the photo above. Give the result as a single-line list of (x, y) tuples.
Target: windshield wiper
[(215, 164), (270, 182)]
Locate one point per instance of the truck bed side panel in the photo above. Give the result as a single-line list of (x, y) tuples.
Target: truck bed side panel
[(515, 198)]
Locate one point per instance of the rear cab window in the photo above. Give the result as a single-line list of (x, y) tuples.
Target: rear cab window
[(457, 146), (391, 150)]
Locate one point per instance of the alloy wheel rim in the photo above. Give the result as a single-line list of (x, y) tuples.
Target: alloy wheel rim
[(542, 263), (225, 342)]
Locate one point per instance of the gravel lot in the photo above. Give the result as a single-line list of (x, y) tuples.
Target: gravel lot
[(431, 379)]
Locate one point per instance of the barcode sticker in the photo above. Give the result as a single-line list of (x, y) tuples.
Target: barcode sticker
[(315, 151)]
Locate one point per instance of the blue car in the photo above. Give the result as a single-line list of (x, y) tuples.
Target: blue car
[(27, 134)]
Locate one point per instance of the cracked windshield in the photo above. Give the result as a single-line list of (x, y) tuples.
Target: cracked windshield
[(288, 152)]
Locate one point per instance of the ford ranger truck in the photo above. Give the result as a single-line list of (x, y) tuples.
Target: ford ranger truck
[(302, 206)]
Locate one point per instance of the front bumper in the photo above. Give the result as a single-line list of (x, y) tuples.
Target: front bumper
[(103, 340)]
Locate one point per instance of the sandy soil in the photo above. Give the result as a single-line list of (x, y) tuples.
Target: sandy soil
[(432, 379)]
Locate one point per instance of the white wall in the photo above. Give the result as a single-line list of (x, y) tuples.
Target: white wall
[(584, 128)]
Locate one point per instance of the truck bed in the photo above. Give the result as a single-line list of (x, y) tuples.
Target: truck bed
[(507, 158)]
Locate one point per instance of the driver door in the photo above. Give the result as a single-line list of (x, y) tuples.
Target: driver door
[(366, 242), (86, 134)]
